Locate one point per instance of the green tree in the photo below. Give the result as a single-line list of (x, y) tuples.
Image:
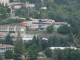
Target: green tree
[(50, 29), (70, 38), (48, 52), (1, 58), (64, 29), (11, 0), (8, 39), (8, 54), (18, 47), (32, 54)]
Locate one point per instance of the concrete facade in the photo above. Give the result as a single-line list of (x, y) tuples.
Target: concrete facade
[(4, 47), (42, 24), (12, 28)]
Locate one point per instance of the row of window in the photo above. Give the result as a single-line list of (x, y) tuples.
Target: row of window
[(10, 29), (7, 48)]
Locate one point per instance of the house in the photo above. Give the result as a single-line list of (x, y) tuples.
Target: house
[(2, 36), (23, 23), (4, 2), (16, 5), (42, 24), (4, 47), (43, 8), (27, 4), (12, 28)]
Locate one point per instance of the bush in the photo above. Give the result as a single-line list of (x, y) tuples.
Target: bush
[(48, 52), (64, 29), (50, 29)]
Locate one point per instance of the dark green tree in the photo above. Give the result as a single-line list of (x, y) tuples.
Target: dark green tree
[(32, 54), (70, 38), (40, 43), (1, 58), (8, 39), (64, 29), (48, 52), (8, 54), (50, 29), (18, 47)]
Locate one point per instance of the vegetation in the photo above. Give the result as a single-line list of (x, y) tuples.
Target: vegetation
[(48, 52), (8, 54), (8, 39), (71, 54), (1, 58), (32, 54), (64, 29), (50, 29), (18, 47), (4, 12), (11, 21), (58, 10)]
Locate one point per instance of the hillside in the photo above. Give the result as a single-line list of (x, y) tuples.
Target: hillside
[(58, 10)]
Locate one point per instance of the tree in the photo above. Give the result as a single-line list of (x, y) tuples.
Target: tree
[(8, 54), (48, 52), (64, 29), (32, 54), (50, 29), (18, 47), (11, 0), (8, 39), (70, 38), (54, 41), (44, 44), (1, 58)]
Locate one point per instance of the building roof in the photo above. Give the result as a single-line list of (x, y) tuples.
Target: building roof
[(27, 39), (5, 45), (62, 48), (59, 23), (2, 36)]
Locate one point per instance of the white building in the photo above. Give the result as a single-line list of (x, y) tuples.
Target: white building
[(16, 5), (43, 8), (62, 48), (4, 47), (12, 28), (42, 24), (29, 5), (4, 2), (29, 39)]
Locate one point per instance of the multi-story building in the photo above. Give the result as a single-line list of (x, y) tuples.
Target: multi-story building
[(12, 28), (42, 24), (4, 47), (16, 5), (4, 2)]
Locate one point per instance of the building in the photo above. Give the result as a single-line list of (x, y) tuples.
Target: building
[(12, 28), (2, 36), (43, 8), (16, 5), (29, 5), (62, 48), (4, 2), (42, 24), (29, 39), (4, 47)]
